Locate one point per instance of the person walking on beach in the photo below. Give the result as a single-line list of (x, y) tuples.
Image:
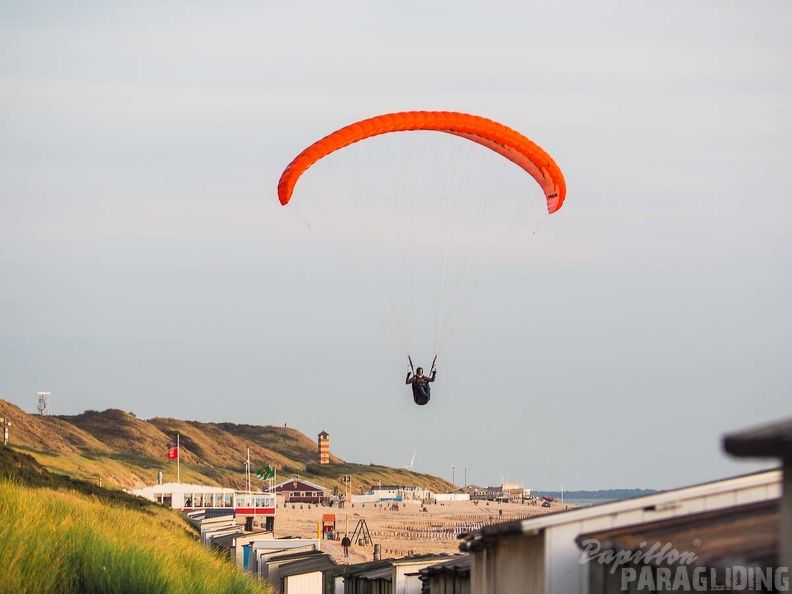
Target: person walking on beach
[(345, 542)]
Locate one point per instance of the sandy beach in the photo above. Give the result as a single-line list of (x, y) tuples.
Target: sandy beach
[(408, 531)]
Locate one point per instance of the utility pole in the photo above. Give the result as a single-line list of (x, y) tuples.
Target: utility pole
[(6, 424), (453, 479), (466, 477)]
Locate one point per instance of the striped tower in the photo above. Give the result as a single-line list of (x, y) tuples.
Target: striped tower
[(324, 448)]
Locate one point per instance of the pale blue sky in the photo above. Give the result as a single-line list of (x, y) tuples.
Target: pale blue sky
[(146, 265)]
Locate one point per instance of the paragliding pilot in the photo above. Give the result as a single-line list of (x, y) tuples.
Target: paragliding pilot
[(420, 383)]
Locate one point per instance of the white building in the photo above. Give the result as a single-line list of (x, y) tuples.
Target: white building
[(399, 492), (263, 551), (187, 497), (311, 575)]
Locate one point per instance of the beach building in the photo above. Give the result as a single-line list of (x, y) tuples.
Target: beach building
[(211, 538), (273, 565), (542, 555), (264, 550), (416, 493), (347, 579), (399, 493), (312, 575), (239, 547), (452, 496), (387, 493), (211, 501), (214, 526), (476, 493), (448, 577), (513, 492), (225, 533), (298, 490), (391, 576)]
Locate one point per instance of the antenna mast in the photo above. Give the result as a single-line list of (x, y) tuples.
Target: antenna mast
[(43, 403)]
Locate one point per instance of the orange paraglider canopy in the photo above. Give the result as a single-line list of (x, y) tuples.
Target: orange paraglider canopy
[(497, 137)]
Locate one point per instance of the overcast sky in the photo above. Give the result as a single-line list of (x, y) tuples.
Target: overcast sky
[(146, 264)]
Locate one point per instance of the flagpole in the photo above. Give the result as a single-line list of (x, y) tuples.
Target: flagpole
[(178, 460), (247, 469)]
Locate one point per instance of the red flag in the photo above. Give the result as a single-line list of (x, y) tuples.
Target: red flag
[(173, 453)]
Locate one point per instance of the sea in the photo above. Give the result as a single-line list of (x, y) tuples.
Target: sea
[(585, 502)]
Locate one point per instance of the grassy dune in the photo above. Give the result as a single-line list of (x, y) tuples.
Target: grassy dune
[(123, 451), (56, 540)]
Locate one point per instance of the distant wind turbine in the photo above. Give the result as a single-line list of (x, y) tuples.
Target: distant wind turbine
[(410, 467)]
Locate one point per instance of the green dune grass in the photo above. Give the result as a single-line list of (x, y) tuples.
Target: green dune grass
[(54, 540)]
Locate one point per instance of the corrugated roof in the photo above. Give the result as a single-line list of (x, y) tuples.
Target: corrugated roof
[(744, 535), (359, 568), (369, 566), (420, 561), (418, 558), (226, 541), (295, 556), (314, 563), (459, 565), (384, 573)]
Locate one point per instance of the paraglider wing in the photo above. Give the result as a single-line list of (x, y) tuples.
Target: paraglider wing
[(497, 137)]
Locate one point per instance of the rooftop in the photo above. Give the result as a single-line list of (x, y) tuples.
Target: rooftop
[(313, 563), (766, 481), (768, 441), (745, 535)]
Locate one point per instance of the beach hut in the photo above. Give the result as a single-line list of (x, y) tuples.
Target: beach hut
[(720, 547), (449, 577), (541, 554), (312, 575)]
